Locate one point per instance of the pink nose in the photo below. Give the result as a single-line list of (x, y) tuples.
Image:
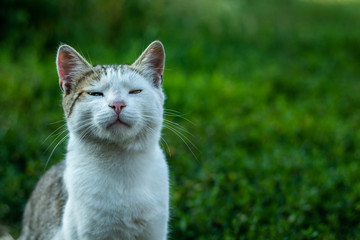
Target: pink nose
[(117, 106)]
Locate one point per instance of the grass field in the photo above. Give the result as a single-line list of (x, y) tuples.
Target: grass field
[(269, 94)]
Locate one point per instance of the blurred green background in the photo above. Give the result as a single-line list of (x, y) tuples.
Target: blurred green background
[(268, 90)]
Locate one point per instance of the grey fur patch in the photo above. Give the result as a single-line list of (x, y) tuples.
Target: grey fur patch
[(44, 210)]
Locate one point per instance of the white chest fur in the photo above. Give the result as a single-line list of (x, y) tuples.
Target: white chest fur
[(115, 195)]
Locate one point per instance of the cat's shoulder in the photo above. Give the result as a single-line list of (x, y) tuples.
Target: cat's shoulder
[(53, 178)]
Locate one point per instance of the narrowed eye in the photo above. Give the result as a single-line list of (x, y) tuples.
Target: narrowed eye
[(96, 94), (135, 91)]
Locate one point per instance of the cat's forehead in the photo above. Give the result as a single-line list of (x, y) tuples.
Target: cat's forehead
[(115, 74)]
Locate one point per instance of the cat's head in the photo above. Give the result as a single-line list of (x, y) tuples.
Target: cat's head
[(121, 104)]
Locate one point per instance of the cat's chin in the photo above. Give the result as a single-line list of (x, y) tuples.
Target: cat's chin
[(119, 130)]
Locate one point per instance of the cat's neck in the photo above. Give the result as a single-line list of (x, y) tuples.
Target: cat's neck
[(88, 164), (108, 152)]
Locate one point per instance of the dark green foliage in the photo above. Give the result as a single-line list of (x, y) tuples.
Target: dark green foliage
[(272, 90)]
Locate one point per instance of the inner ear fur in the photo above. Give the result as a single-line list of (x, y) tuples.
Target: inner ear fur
[(70, 65), (152, 62)]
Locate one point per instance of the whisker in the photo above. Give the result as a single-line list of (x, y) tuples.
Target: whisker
[(58, 136), (189, 144), (177, 125), (61, 141), (174, 113), (54, 132), (177, 129), (56, 122), (181, 134), (167, 145)]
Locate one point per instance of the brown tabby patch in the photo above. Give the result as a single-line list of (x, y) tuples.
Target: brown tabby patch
[(74, 95)]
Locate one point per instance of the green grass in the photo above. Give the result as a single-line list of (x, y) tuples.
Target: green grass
[(272, 92)]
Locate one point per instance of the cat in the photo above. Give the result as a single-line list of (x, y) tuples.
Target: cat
[(113, 183)]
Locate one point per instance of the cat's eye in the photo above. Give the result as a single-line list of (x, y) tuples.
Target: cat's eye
[(135, 91), (96, 94)]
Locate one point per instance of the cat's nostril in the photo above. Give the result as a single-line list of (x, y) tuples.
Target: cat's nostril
[(117, 106)]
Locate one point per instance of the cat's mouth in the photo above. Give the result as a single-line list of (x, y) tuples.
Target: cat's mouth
[(118, 122)]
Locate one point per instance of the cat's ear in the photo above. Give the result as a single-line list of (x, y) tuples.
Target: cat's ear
[(70, 66), (152, 62)]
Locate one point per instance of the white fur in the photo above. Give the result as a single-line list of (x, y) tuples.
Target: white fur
[(116, 176)]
